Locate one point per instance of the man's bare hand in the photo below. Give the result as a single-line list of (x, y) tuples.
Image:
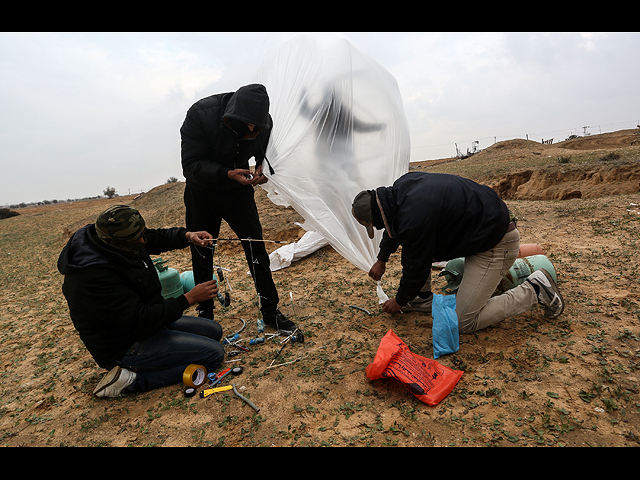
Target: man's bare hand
[(199, 238), (391, 306), (202, 292), (258, 177), (377, 270), (241, 175)]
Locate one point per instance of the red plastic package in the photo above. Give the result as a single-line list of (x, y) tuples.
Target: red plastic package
[(426, 379)]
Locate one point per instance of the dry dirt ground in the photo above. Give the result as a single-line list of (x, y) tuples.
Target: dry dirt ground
[(529, 381)]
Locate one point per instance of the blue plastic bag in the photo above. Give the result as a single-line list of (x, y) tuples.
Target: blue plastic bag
[(445, 325)]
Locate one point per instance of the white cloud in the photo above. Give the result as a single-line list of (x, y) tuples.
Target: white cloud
[(591, 40), (157, 71)]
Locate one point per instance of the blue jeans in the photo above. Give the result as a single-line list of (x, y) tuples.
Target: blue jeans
[(161, 359)]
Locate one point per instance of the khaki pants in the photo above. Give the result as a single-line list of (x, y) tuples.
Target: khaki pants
[(475, 307)]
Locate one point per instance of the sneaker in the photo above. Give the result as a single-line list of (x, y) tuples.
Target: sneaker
[(113, 383), (279, 321), (419, 305), (206, 314), (547, 292)]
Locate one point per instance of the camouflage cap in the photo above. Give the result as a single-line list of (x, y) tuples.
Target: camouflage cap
[(361, 210), (120, 225)]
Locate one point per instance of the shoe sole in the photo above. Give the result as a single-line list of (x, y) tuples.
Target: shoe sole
[(108, 380), (557, 292)]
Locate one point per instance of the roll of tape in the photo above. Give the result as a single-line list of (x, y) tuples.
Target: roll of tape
[(194, 376)]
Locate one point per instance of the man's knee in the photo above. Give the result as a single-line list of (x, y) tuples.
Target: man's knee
[(467, 323)]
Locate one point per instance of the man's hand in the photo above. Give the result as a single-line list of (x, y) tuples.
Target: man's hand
[(241, 175), (247, 177), (259, 178), (199, 238), (202, 292), (391, 306), (377, 270)]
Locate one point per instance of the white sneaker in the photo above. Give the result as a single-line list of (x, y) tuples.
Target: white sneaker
[(114, 382), (547, 292), (419, 305)]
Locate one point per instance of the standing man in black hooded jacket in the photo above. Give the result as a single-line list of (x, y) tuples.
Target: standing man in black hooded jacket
[(220, 134)]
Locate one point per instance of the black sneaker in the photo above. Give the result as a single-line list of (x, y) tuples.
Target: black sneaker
[(206, 314), (279, 321)]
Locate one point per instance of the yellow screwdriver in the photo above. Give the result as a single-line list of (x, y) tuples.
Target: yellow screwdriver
[(206, 393)]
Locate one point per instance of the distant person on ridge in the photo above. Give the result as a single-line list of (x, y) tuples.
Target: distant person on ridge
[(438, 217), (219, 135), (116, 304)]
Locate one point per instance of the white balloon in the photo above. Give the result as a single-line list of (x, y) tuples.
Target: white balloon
[(339, 128)]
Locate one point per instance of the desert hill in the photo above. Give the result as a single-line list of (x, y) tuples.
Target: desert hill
[(585, 167)]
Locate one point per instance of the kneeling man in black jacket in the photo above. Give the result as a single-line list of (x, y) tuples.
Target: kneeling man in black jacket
[(116, 304), (438, 217)]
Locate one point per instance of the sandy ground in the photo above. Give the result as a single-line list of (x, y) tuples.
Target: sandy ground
[(528, 381)]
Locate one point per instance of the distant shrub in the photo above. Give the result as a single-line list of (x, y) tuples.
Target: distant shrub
[(610, 156), (110, 192), (564, 159), (6, 213)]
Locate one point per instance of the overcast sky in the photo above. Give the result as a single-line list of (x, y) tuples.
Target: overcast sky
[(83, 111)]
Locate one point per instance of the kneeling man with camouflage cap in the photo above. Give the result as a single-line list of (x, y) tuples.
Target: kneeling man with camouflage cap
[(116, 304)]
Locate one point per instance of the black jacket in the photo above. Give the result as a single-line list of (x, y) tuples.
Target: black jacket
[(113, 300), (437, 217), (214, 140)]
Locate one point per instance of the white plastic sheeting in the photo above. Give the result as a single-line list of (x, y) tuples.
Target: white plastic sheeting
[(339, 128), (284, 256)]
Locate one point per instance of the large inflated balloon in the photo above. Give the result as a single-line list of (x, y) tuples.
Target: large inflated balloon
[(339, 128)]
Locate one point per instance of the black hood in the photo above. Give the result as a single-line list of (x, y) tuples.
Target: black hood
[(84, 249), (249, 104), (80, 251)]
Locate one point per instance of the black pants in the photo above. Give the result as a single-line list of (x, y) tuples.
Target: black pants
[(205, 210)]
